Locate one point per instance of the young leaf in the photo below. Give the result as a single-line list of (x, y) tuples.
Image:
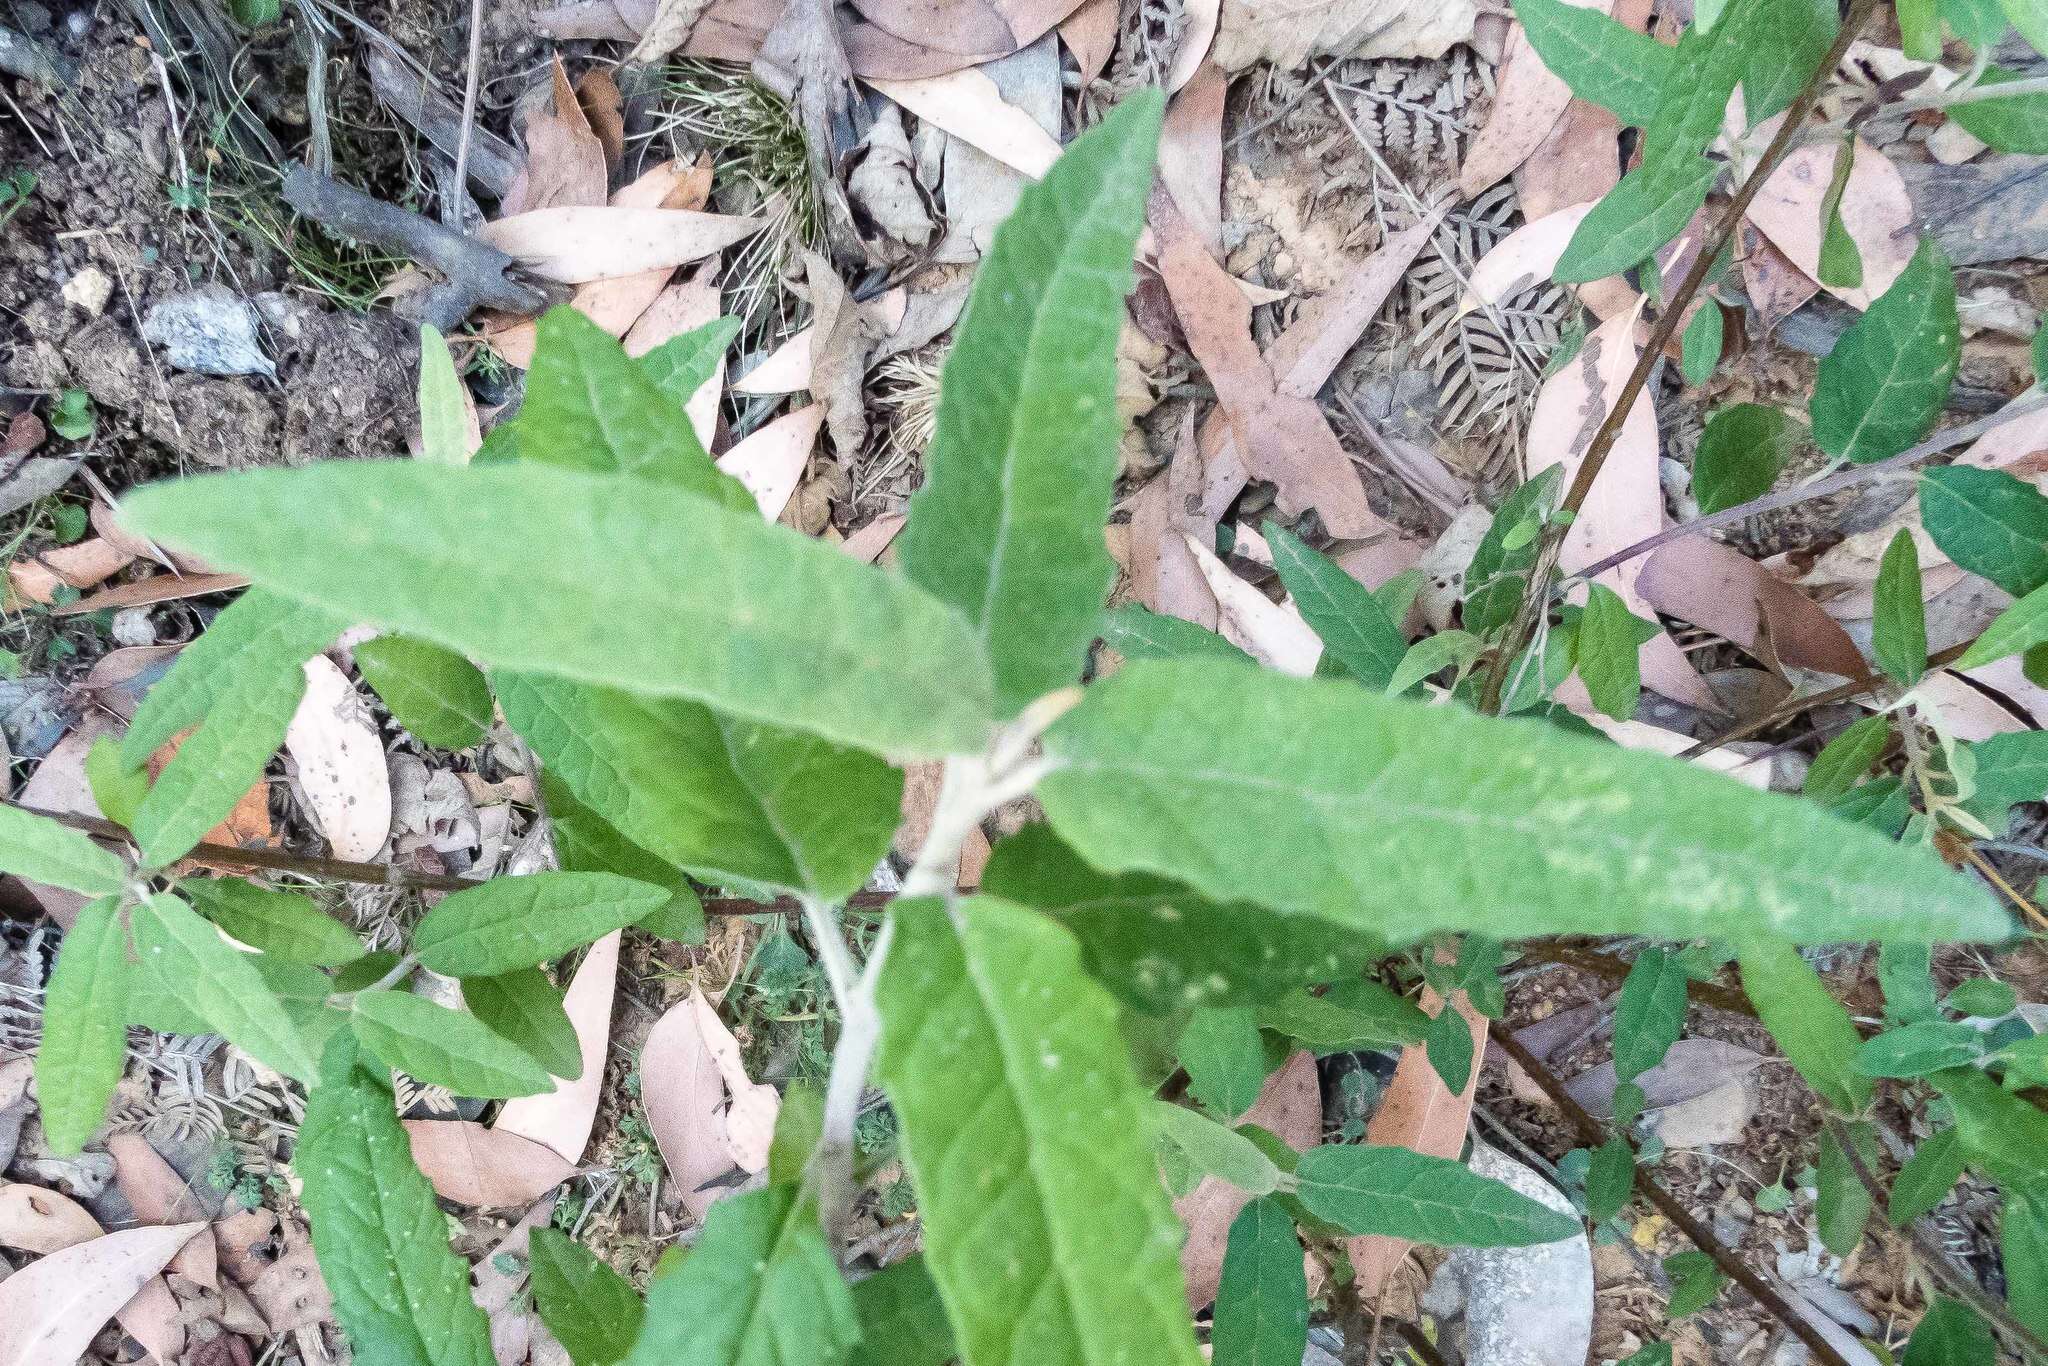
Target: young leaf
[(1139, 633), (399, 1291), (516, 922), (1610, 1178), (436, 694), (85, 1033), (1741, 452), (1448, 1044), (1261, 1314), (736, 801), (1899, 630), (1433, 654), (999, 1052), (283, 923), (1699, 349), (1844, 760), (2018, 123), (2016, 630), (1882, 805), (1950, 1334), (1606, 653), (444, 1047), (1918, 1049), (1354, 628), (1651, 1014), (1647, 209), (902, 1320), (525, 1008), (1401, 1193), (1808, 1023), (444, 417), (1841, 263), (587, 843), (37, 848), (1980, 23), (681, 365), (1008, 524), (1225, 1062), (814, 639), (1887, 379), (1216, 1150), (1985, 997), (221, 985), (1695, 1281), (759, 1288), (1989, 523), (591, 1309), (1608, 63), (117, 789), (1842, 1202), (1318, 798), (1927, 1177), (1500, 566)]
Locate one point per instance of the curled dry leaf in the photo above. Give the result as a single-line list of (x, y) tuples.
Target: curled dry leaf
[(42, 1221), (1290, 1107), (687, 1067), (143, 592), (577, 244), (483, 1168), (1632, 734), (51, 1309), (1272, 633), (561, 1119), (771, 461), (1711, 585), (1876, 210), (968, 105), (340, 759), (605, 108)]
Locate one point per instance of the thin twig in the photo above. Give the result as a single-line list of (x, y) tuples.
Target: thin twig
[(451, 212), (1536, 601)]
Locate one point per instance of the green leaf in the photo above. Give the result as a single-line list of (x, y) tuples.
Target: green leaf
[(1139, 633), (1261, 1316), (1842, 1203), (1989, 523), (1225, 1062), (1003, 1060), (1806, 1020), (727, 798), (1448, 1045), (192, 964), (1699, 349), (1741, 453), (591, 1309), (283, 923), (2011, 768), (37, 848), (1161, 946), (681, 365), (902, 1320), (1367, 1016), (2017, 123), (1318, 798), (1433, 654), (2005, 1137), (1008, 524), (1649, 1354), (1980, 23), (1899, 627), (1651, 1014), (587, 843), (516, 922), (1788, 39), (2023, 1248), (400, 1292), (2016, 630), (1844, 760), (1887, 379), (1610, 1177), (1354, 628), (699, 601), (759, 1289), (1495, 578), (1608, 63), (1882, 805), (444, 417), (436, 694), (1606, 650), (2039, 352), (1695, 1281), (1642, 213), (1216, 1150), (85, 1033), (1982, 996), (444, 1047), (1841, 262), (1927, 1177), (1950, 1334), (525, 1008), (117, 789), (1919, 30), (1364, 1188), (1903, 975), (253, 13)]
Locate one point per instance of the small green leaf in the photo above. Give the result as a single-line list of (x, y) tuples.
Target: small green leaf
[(1982, 996), (591, 1309), (444, 1047), (117, 789), (85, 1034), (526, 1009), (2017, 123), (1448, 1045), (1903, 975), (681, 365), (253, 13), (1610, 1177), (1498, 571), (2016, 630), (902, 1320), (2039, 354), (516, 922), (587, 843), (1887, 379), (1608, 63), (1354, 628), (1842, 1203), (1989, 523), (1841, 262), (1646, 210), (1225, 1062), (1899, 627), (436, 694), (1699, 349), (400, 1292), (1363, 1188), (1919, 30), (283, 923), (2005, 1137), (2011, 768), (1950, 1334), (1882, 805), (1139, 633), (444, 417), (1844, 760), (1927, 1177), (221, 985), (1651, 1014), (1216, 1150), (1741, 452), (40, 850), (2023, 1248), (1649, 1354), (1806, 1020), (1369, 1016), (1433, 654), (1695, 1281), (1261, 1316), (1606, 653)]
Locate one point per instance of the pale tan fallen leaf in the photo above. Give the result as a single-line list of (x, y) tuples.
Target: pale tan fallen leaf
[(673, 22), (867, 544), (160, 588), (1753, 770), (1527, 103), (771, 461), (1290, 1107), (484, 1168), (1191, 153), (786, 369), (1523, 258), (752, 1106), (340, 759), (51, 1309), (1270, 632), (42, 1221), (245, 1239), (1776, 288), (1712, 585), (1090, 34), (291, 1293), (565, 161), (561, 1120), (968, 26), (2008, 678), (159, 1195), (684, 1098), (968, 105), (36, 578), (2019, 446), (1876, 210), (1201, 19), (604, 107), (1965, 712), (683, 306), (1289, 32), (1578, 162), (598, 242)]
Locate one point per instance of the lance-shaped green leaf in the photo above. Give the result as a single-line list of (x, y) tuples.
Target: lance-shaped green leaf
[(759, 1289), (591, 1309), (400, 1292), (2016, 630), (1989, 523), (220, 984), (1499, 569), (1447, 1042), (1139, 633), (625, 583), (1317, 798), (1786, 42), (444, 417), (1844, 760), (1008, 524), (1806, 1020), (85, 1027), (1899, 631), (283, 923), (117, 789), (730, 799), (436, 694), (2017, 123), (1646, 210), (682, 364), (1651, 1014), (1216, 1150), (1607, 652), (1699, 347), (902, 1320), (586, 842), (1741, 452), (1015, 1093), (516, 922), (1610, 1178), (1841, 261), (1980, 23), (444, 1047), (1262, 1301), (1355, 630), (1916, 1049), (1225, 1062), (37, 848), (1842, 1202), (1887, 379), (1352, 1015), (1162, 946), (2005, 1137), (1926, 1177), (1608, 63), (1400, 1193), (2023, 1248), (526, 1009)]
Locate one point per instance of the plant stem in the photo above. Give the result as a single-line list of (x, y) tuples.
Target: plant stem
[(1536, 599)]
